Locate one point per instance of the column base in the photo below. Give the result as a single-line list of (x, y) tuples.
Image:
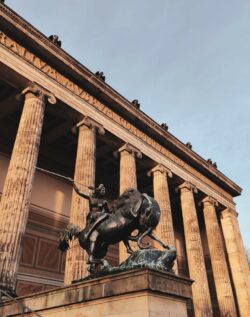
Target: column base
[(137, 293)]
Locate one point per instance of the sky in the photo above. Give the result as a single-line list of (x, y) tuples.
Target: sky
[(187, 62)]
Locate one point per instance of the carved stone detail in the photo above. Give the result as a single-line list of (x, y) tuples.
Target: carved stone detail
[(33, 89), (131, 149), (92, 124), (187, 186), (162, 169), (210, 201)]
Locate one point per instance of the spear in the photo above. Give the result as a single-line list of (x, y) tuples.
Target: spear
[(69, 179)]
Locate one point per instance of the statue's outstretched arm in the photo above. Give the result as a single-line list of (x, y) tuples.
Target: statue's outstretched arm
[(84, 195)]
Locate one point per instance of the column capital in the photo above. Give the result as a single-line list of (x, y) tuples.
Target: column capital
[(162, 169), (92, 124), (209, 201), (130, 149), (187, 186), (33, 89), (228, 212)]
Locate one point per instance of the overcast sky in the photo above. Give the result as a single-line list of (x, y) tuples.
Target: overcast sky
[(188, 63)]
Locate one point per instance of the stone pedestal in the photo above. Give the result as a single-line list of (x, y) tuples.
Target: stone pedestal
[(137, 293)]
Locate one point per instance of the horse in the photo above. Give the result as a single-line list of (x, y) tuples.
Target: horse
[(133, 211)]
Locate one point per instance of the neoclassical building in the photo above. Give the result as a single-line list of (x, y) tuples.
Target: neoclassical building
[(58, 116)]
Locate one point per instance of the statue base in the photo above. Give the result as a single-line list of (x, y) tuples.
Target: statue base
[(136, 293)]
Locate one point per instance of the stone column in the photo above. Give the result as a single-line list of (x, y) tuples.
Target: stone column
[(218, 259), (196, 264), (128, 179), (76, 258), (237, 259), (15, 200), (165, 229)]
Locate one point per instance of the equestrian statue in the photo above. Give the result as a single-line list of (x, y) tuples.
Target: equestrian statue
[(132, 211)]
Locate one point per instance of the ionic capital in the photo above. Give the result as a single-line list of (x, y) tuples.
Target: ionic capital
[(229, 212), (187, 186), (209, 201), (91, 124), (162, 169), (35, 90), (130, 149)]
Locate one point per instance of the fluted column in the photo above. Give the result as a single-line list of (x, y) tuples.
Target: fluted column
[(165, 229), (76, 258), (237, 259), (128, 179), (15, 200), (218, 259), (196, 264)]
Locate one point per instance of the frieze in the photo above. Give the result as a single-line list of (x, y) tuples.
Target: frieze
[(74, 88)]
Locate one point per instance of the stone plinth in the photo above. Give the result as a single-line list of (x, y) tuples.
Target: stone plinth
[(136, 293)]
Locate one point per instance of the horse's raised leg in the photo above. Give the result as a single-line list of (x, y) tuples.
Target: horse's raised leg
[(154, 237), (128, 247), (92, 248)]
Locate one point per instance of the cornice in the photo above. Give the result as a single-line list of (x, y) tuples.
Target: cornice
[(18, 28)]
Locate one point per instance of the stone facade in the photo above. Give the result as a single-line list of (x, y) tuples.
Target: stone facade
[(68, 138), (152, 294)]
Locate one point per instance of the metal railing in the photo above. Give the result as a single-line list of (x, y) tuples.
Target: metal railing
[(24, 309)]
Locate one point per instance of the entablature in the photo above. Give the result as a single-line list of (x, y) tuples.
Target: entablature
[(62, 68)]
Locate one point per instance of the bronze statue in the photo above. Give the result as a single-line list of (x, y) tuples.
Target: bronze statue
[(98, 207), (133, 211)]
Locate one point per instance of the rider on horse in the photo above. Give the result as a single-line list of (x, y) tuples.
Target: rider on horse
[(98, 206)]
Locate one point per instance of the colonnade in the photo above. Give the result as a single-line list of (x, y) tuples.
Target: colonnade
[(222, 229)]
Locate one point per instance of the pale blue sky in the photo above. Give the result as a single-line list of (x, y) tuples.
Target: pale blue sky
[(188, 63)]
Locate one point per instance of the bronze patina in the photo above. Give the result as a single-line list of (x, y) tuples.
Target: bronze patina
[(133, 211)]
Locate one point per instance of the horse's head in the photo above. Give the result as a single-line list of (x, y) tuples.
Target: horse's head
[(149, 212), (129, 203)]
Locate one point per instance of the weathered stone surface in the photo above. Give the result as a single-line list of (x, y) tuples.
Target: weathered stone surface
[(196, 263), (70, 86), (136, 293), (165, 229), (218, 260), (128, 179), (76, 259), (15, 200), (237, 260), (116, 124)]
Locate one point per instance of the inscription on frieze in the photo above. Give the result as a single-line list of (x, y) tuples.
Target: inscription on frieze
[(78, 91)]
